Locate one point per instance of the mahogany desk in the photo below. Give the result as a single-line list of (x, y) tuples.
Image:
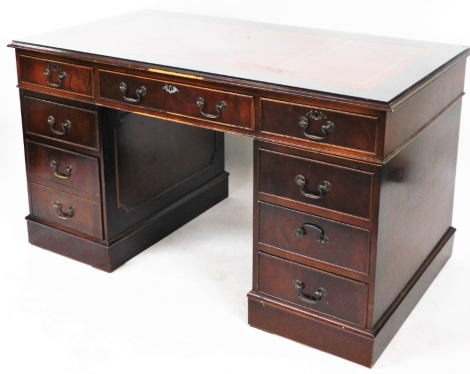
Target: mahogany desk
[(354, 158)]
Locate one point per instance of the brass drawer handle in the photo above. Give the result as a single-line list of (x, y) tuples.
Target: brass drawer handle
[(60, 76), (323, 188), (58, 210), (326, 128), (220, 107), (55, 168), (322, 238), (317, 296), (65, 126), (140, 92)]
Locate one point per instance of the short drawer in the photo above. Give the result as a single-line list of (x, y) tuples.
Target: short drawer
[(191, 101), (56, 75), (327, 241), (60, 122), (66, 210), (307, 287), (66, 168), (316, 183), (320, 125)]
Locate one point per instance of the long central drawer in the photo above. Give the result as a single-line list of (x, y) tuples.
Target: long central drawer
[(222, 107)]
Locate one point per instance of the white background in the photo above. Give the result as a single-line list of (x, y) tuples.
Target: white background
[(181, 305)]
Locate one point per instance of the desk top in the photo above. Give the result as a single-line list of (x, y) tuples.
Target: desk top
[(359, 66)]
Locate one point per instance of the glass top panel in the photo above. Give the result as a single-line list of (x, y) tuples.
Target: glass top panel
[(360, 66)]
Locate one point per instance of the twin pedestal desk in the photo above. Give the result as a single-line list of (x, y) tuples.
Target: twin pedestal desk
[(354, 158)]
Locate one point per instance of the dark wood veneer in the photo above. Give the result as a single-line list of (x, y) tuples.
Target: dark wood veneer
[(361, 346), (415, 113), (84, 125), (348, 246), (85, 170), (351, 130), (182, 102), (87, 214), (345, 299), (79, 79), (149, 164), (139, 172), (109, 255), (351, 190), (415, 205)]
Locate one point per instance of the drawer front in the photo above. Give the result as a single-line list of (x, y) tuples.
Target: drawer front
[(320, 125), (66, 168), (179, 99), (323, 240), (56, 75), (313, 289), (60, 122), (66, 210), (347, 191)]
